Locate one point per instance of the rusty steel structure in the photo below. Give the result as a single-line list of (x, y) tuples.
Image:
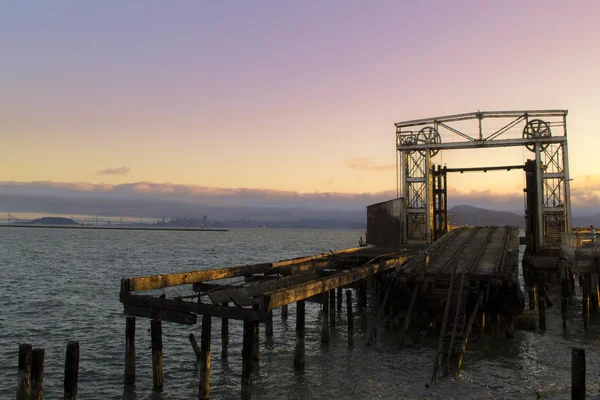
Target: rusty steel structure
[(422, 184)]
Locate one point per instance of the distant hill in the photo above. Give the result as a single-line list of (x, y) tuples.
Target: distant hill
[(579, 222), (53, 221), (469, 215)]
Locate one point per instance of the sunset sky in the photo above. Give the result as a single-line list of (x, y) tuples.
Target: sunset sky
[(281, 96)]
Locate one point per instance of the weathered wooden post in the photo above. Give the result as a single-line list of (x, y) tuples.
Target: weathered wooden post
[(350, 317), (547, 298), (284, 312), (300, 318), (24, 379), (325, 319), (362, 295), (594, 291), (577, 373), (585, 301), (130, 351), (256, 338), (195, 346), (541, 305), (248, 358), (224, 335), (510, 327), (269, 325), (37, 374), (339, 299), (564, 296), (205, 357), (332, 307), (532, 299), (71, 383), (156, 338)]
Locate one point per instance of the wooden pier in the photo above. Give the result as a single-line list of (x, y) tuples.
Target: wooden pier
[(465, 275)]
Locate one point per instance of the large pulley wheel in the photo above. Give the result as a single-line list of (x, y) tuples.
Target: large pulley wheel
[(428, 135), (536, 128)]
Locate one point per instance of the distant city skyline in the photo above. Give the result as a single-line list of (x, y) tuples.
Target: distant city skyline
[(280, 104)]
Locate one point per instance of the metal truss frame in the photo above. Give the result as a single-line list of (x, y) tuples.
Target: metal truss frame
[(544, 132)]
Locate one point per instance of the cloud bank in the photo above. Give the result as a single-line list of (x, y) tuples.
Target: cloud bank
[(114, 171)]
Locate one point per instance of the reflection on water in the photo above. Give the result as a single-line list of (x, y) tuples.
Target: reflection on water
[(61, 285)]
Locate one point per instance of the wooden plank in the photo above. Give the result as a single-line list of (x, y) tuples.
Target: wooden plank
[(133, 284), (238, 294), (157, 313), (277, 298), (193, 307)]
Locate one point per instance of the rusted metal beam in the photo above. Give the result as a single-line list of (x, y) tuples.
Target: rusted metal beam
[(277, 298), (180, 306)]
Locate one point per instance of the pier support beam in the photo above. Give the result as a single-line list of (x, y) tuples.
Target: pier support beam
[(350, 318), (130, 351), (541, 303), (300, 318), (37, 374), (577, 373), (585, 301), (224, 335), (325, 319), (256, 338), (24, 379), (332, 307), (71, 383), (269, 326), (594, 291), (205, 358), (564, 299), (339, 299), (248, 359), (532, 297), (284, 312), (510, 327), (156, 337)]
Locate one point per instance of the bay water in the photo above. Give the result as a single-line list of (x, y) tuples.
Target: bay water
[(58, 285)]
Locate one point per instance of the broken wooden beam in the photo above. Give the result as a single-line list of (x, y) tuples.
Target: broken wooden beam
[(135, 304), (303, 291)]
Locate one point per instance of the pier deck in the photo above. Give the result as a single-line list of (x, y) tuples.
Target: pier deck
[(467, 272)]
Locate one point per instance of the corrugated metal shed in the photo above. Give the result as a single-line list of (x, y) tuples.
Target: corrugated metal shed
[(385, 223)]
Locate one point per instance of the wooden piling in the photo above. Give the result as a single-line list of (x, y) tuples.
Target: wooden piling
[(585, 301), (362, 295), (510, 327), (195, 346), (350, 317), (332, 307), (205, 358), (130, 351), (594, 291), (541, 305), (269, 325), (284, 312), (71, 382), (325, 319), (24, 379), (532, 299), (300, 345), (156, 337), (339, 299), (547, 298), (577, 373), (248, 358), (37, 374), (564, 301), (224, 335), (256, 338)]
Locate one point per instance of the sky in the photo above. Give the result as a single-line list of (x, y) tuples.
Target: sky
[(290, 100)]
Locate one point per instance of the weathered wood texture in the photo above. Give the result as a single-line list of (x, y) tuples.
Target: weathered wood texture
[(205, 358), (299, 357), (248, 359), (303, 291), (24, 378), (325, 319), (37, 374), (133, 303), (71, 382), (350, 317), (130, 351), (133, 284), (224, 335), (578, 373), (156, 340)]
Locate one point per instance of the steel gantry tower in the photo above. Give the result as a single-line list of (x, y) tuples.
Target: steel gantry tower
[(423, 187)]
